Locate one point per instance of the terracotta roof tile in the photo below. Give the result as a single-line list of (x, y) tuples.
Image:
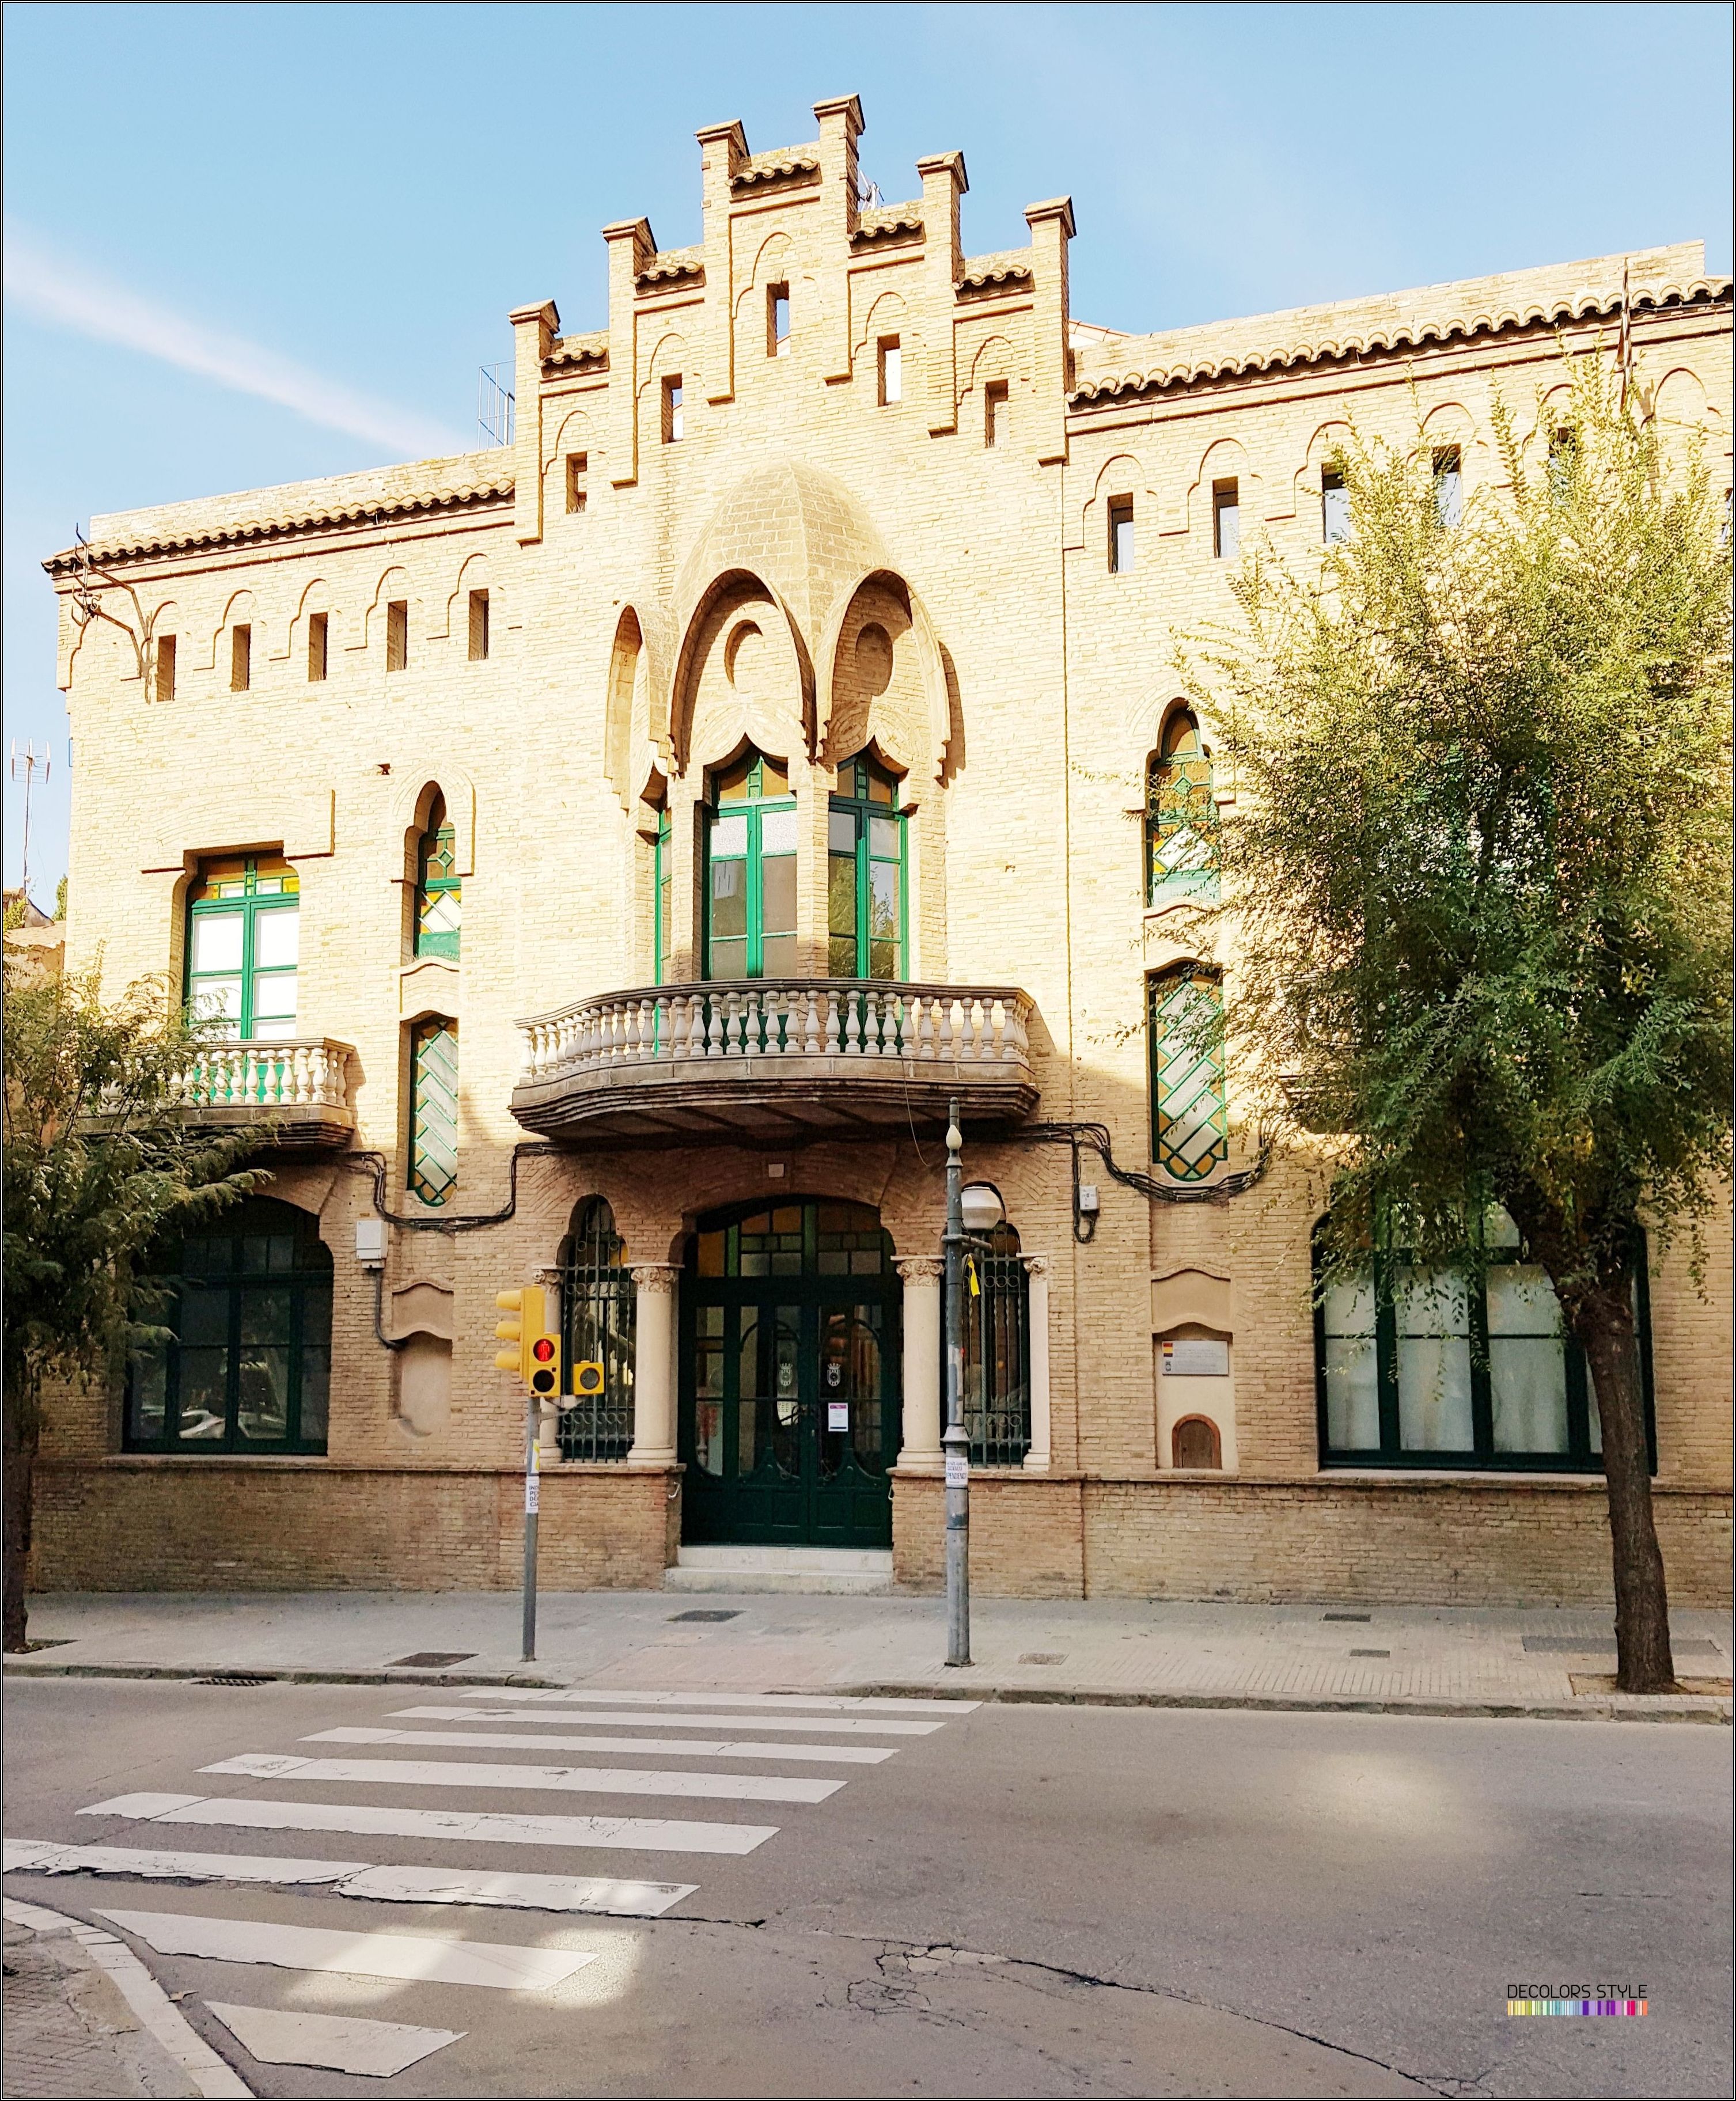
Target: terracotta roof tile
[(670, 265), (781, 165), (986, 273), (577, 350), (888, 223)]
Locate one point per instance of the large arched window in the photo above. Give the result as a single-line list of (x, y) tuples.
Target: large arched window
[(1425, 1368), (1189, 1116), (596, 1315), (1181, 815), (438, 886), (750, 871), (245, 1365), (997, 1352), (866, 907)]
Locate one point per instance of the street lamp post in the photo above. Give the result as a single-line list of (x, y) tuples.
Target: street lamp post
[(954, 1442)]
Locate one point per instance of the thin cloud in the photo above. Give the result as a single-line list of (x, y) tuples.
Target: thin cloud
[(72, 298)]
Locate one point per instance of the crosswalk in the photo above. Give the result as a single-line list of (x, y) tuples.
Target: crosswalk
[(329, 1783)]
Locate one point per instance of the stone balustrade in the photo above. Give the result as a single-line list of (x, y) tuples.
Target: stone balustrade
[(777, 1056), (302, 1085)]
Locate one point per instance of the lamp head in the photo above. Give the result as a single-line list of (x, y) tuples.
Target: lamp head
[(980, 1205)]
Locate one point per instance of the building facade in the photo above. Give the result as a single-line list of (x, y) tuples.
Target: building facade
[(608, 854)]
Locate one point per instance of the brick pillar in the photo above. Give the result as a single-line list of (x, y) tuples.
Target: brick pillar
[(722, 150), (943, 182), (1052, 229), (631, 248), (533, 338)]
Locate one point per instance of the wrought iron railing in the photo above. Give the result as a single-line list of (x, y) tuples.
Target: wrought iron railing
[(597, 1306), (997, 1359)]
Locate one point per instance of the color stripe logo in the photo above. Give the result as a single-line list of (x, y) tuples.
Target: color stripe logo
[(1623, 2006)]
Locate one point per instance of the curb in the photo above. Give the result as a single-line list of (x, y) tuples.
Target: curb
[(275, 1674), (1702, 1709), (167, 2026), (1688, 1707)]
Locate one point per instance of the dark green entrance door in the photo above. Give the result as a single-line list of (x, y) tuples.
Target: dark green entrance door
[(789, 1355)]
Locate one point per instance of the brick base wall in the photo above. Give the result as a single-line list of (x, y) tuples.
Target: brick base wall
[(1397, 1541), (203, 1524)]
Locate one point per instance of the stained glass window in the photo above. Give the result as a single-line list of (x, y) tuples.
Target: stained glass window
[(1190, 1132), (434, 1109), (438, 889), (243, 945), (866, 907), (1181, 815)]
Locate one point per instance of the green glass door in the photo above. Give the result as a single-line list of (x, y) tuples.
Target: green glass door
[(789, 1377)]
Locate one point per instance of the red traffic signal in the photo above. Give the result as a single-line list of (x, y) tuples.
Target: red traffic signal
[(543, 1350)]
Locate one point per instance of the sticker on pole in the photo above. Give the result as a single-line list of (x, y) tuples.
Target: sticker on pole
[(533, 1486), (958, 1470)]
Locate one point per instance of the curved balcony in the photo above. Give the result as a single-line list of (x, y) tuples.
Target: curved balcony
[(302, 1087), (775, 1061)]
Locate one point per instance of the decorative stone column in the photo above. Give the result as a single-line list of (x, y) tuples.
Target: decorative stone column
[(1037, 1274), (653, 1364), (921, 1445)]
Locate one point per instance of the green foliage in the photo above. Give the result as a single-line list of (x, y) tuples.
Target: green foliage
[(1481, 863), (98, 1160), (15, 912), (60, 910)]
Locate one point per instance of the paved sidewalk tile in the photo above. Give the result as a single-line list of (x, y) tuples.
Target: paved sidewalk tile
[(68, 2032)]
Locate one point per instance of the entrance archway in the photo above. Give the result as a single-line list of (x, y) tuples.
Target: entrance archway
[(789, 1385)]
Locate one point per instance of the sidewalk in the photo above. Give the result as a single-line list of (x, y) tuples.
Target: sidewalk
[(1545, 1662)]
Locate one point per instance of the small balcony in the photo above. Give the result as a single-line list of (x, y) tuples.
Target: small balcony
[(775, 1061), (302, 1087)]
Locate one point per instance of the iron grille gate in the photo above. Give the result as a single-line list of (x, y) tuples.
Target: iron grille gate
[(597, 1325), (997, 1355)]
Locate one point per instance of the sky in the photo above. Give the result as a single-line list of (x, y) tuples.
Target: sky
[(253, 244)]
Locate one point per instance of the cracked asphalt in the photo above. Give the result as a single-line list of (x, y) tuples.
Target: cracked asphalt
[(1032, 1900)]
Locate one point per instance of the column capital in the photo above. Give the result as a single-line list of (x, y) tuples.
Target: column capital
[(1037, 1265), (919, 1269), (658, 1276)]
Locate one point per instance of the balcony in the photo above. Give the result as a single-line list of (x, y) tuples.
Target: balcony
[(302, 1087), (777, 1061)]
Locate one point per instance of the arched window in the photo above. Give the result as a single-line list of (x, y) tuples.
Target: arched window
[(437, 886), (997, 1352), (1417, 1367), (866, 907), (434, 1108), (596, 1315), (246, 1363), (662, 897), (1190, 1117), (750, 871), (1181, 815)]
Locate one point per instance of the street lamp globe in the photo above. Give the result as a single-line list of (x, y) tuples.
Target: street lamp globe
[(980, 1203)]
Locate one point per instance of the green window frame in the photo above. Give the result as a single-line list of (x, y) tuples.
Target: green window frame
[(439, 891), (245, 1362), (867, 892), (1420, 1367), (663, 898), (749, 893), (1181, 818), (433, 1173), (1189, 1112), (243, 947)]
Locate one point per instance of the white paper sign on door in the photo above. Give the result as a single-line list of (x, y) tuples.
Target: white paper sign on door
[(838, 1415)]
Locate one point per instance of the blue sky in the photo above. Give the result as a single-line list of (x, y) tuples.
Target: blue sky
[(341, 203)]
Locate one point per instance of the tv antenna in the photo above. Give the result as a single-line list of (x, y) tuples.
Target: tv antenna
[(25, 765), (494, 404)]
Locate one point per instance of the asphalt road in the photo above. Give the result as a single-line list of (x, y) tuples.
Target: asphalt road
[(1025, 1900)]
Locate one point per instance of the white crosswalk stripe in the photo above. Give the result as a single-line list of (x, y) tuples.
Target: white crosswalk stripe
[(770, 1730), (860, 1755), (568, 1779)]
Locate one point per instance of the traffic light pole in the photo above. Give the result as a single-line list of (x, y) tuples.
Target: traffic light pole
[(533, 1483)]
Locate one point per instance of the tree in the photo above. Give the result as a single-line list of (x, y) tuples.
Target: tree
[(1481, 876), (99, 1161)]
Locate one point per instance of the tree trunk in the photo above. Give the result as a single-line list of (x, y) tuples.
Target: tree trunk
[(20, 1472), (1603, 1322)]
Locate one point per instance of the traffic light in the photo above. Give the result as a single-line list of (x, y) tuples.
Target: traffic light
[(587, 1379), (535, 1355)]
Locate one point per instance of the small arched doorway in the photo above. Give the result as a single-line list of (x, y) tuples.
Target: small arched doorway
[(790, 1377)]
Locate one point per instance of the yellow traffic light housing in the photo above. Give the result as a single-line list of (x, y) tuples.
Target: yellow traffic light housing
[(587, 1379), (535, 1354)]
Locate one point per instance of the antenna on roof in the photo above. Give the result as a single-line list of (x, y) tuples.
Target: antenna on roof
[(494, 404), (24, 764)]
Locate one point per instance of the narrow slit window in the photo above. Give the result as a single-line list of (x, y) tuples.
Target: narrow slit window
[(1226, 520), (892, 371), (577, 466), (778, 321), (994, 412), (319, 637), (672, 416), (166, 667), (478, 626), (397, 635), (434, 1109), (1448, 499), (1190, 1135), (1121, 535), (1335, 506), (439, 891), (240, 659)]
